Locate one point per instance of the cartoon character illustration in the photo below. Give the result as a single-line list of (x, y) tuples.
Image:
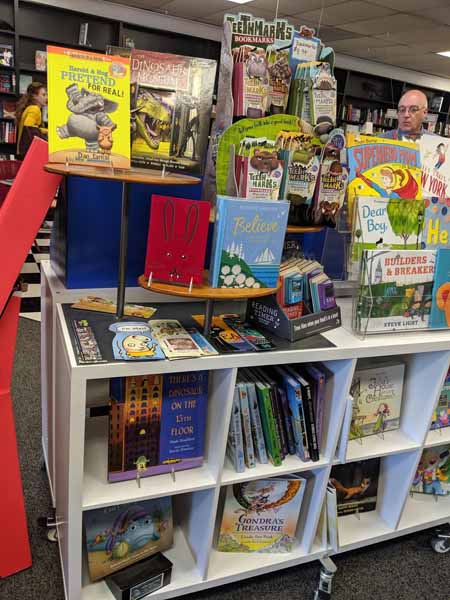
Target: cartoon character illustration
[(351, 492), (395, 183), (433, 468), (138, 345), (264, 161), (134, 341), (443, 418), (440, 152), (443, 300), (257, 65), (89, 119), (151, 118), (381, 414), (141, 463), (132, 529)]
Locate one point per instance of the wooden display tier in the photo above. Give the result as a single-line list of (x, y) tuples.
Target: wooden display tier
[(205, 292), (133, 175)]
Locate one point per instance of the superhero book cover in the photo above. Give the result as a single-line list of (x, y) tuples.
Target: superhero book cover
[(88, 108), (356, 486), (171, 99)]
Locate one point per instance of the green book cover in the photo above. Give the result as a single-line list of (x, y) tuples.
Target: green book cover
[(268, 423)]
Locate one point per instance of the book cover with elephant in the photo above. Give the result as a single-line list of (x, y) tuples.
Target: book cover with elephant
[(118, 536), (171, 99), (440, 307), (261, 515), (88, 108), (356, 486)]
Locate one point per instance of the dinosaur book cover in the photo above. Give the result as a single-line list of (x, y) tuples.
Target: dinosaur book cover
[(157, 424), (433, 472), (261, 515), (248, 242), (171, 98), (377, 392), (356, 486), (395, 292), (118, 536), (382, 167), (88, 108)]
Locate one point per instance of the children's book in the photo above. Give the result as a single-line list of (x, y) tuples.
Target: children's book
[(249, 453), (157, 424), (88, 108), (385, 223), (395, 290), (433, 473), (118, 536), (441, 415), (440, 307), (261, 515), (436, 230), (171, 98), (435, 158), (377, 391), (255, 419), (176, 243), (223, 336), (235, 442), (174, 340), (134, 341), (40, 60), (356, 486), (248, 243), (382, 167), (6, 55)]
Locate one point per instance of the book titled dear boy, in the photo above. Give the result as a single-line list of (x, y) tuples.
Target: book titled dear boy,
[(248, 242), (261, 515), (88, 108)]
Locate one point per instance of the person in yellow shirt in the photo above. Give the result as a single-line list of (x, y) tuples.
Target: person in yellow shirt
[(29, 116)]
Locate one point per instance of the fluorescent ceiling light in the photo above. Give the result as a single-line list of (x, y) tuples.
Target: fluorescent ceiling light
[(240, 1), (446, 53)]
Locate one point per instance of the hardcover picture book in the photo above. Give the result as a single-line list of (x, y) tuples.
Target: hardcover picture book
[(171, 98), (88, 108), (356, 486), (261, 515), (40, 60), (157, 424), (247, 243), (395, 290), (377, 391), (118, 536), (382, 167), (436, 230), (435, 159), (176, 243), (433, 473), (440, 307), (441, 415), (6, 55)]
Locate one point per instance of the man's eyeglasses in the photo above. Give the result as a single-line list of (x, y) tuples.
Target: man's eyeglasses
[(402, 110)]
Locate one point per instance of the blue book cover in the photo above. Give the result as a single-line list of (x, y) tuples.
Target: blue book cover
[(248, 242), (183, 417), (440, 305)]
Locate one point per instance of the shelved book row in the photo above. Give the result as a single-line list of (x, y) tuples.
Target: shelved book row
[(277, 411), (7, 132)]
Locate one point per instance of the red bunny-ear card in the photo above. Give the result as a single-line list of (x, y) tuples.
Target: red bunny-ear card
[(177, 236)]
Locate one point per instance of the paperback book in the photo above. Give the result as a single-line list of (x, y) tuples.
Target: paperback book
[(88, 108), (377, 398), (171, 98), (261, 515), (157, 424), (440, 307), (441, 415), (356, 486), (395, 290), (248, 243), (118, 536), (433, 472)]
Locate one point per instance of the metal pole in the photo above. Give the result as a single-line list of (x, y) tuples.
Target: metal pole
[(209, 309), (121, 284)]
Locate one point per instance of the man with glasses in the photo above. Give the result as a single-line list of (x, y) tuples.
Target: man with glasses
[(412, 108)]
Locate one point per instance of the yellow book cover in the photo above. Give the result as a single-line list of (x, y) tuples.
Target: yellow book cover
[(382, 167), (88, 108), (261, 515)]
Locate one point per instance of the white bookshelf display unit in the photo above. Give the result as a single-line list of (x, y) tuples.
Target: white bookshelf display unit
[(75, 450)]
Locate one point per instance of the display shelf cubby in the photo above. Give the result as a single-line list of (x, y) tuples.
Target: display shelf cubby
[(437, 437)]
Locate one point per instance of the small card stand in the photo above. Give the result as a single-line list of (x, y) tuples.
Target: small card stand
[(267, 313), (357, 515)]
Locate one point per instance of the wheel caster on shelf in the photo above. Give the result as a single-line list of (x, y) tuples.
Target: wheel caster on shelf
[(441, 540), (42, 465), (327, 572), (52, 535), (49, 523)]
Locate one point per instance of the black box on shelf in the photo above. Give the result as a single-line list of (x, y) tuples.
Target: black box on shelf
[(141, 579), (267, 313)]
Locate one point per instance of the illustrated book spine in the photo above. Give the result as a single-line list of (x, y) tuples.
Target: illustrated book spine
[(249, 454), (255, 417), (268, 422), (235, 444)]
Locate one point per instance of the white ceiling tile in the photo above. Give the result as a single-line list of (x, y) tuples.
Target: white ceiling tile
[(147, 4), (292, 7), (385, 25), (193, 9), (411, 5), (331, 35), (359, 43), (217, 17), (426, 32), (440, 15), (355, 10)]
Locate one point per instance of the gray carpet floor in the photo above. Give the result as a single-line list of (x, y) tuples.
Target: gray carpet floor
[(405, 569)]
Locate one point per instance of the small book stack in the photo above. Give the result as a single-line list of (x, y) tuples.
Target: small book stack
[(277, 412)]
